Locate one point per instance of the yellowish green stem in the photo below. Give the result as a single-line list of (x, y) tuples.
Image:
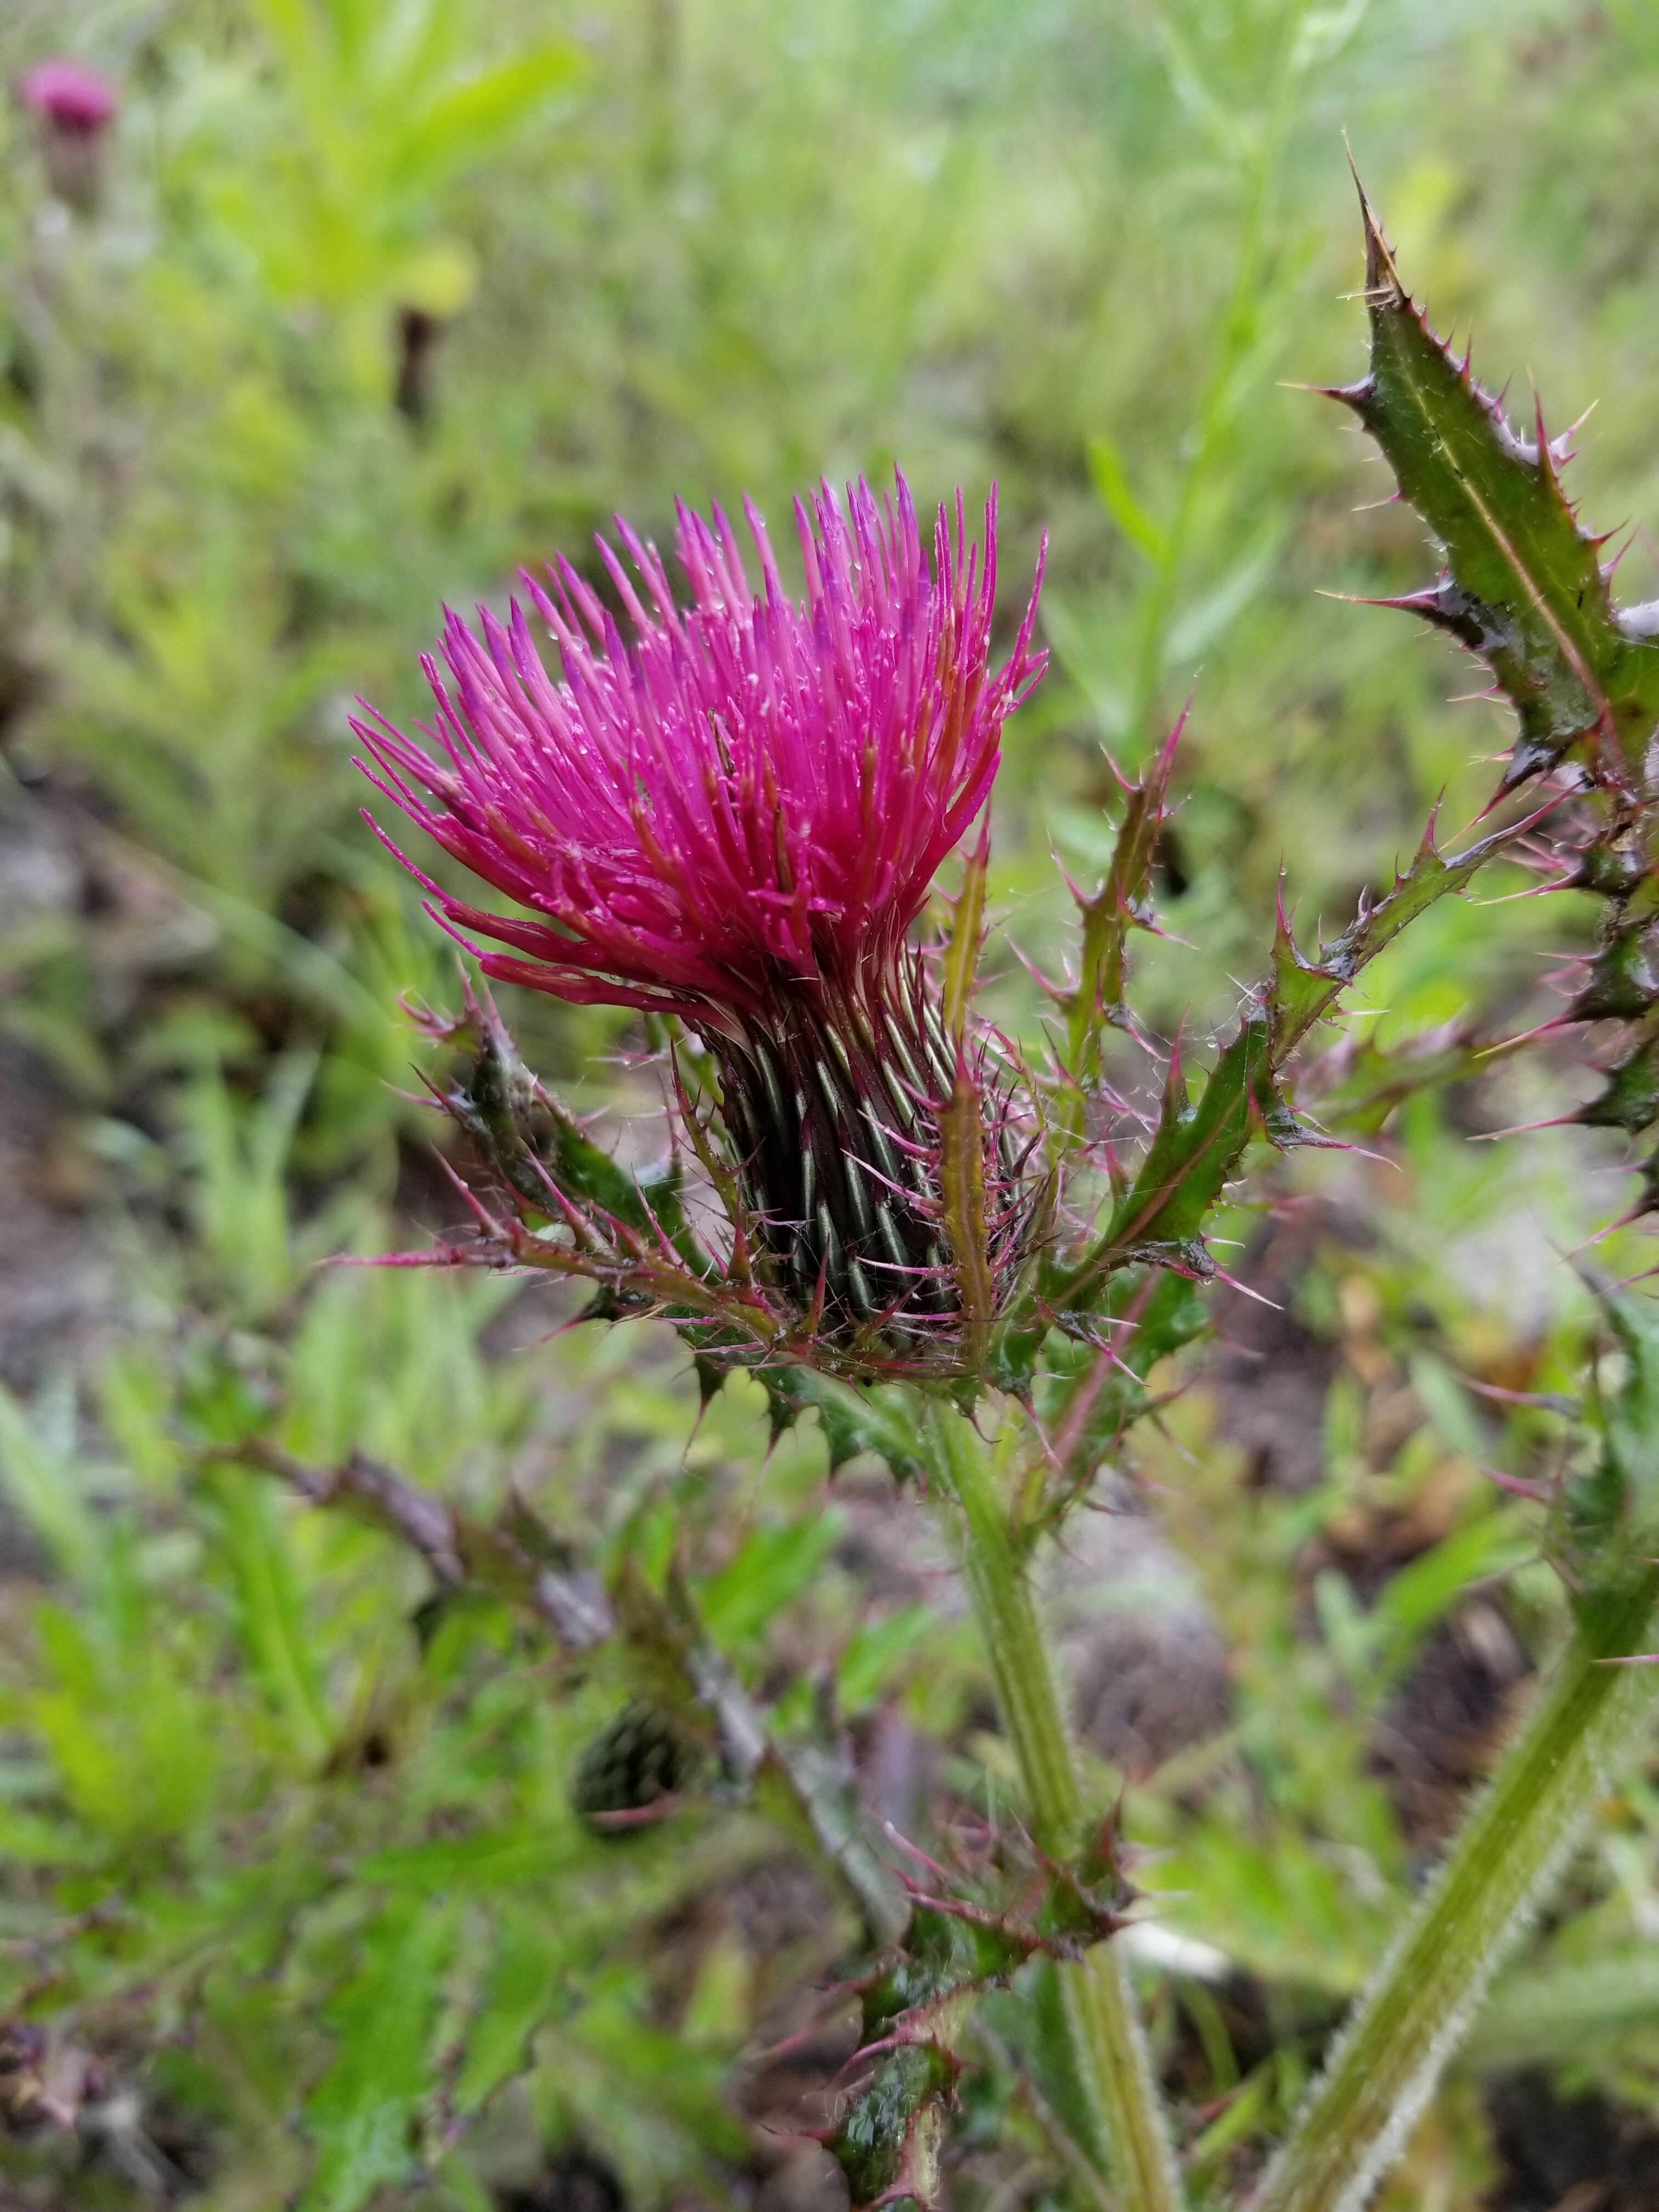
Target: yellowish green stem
[(1588, 1718), (1110, 2058)]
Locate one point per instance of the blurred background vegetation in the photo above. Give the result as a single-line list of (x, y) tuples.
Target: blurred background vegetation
[(362, 304)]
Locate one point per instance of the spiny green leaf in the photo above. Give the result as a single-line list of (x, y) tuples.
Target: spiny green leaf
[(1159, 1219), (1194, 1148), (943, 1956), (956, 1949), (530, 1140), (1121, 904), (1143, 1315), (1302, 992), (888, 2141), (884, 1419), (1524, 586), (1609, 1514)]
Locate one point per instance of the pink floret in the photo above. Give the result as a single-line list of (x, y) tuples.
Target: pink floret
[(73, 97), (746, 792)]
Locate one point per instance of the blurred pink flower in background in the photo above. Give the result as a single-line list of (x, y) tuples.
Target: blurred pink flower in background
[(75, 105), (69, 95)]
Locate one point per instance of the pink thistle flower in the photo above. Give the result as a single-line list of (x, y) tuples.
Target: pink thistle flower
[(735, 815), (76, 106), (749, 794), (71, 96)]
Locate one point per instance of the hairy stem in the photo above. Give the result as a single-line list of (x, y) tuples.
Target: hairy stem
[(1387, 2061), (1108, 2049)]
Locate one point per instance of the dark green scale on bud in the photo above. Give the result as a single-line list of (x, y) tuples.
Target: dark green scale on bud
[(635, 1761)]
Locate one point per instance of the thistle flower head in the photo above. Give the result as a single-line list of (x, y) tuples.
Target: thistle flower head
[(745, 794), (71, 96), (734, 814)]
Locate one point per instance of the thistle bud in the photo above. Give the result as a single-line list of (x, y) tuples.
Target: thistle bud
[(635, 1762), (76, 107)]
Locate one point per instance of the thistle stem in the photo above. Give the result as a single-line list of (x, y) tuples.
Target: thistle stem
[(1388, 2059), (1109, 2048)]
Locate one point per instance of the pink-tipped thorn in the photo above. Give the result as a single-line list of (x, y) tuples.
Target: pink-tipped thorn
[(1518, 1486), (1527, 1036), (1524, 1128)]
